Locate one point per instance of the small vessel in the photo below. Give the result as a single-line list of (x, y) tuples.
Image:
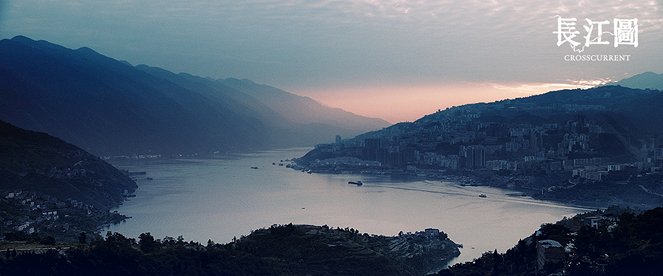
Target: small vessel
[(483, 195), (358, 183), (254, 167)]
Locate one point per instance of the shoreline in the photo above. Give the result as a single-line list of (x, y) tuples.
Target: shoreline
[(462, 180), (456, 180)]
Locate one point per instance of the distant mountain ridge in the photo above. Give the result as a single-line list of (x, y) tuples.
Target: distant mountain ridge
[(646, 80), (110, 107), (634, 110), (297, 108)]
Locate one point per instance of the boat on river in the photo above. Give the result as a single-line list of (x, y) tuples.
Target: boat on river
[(358, 183)]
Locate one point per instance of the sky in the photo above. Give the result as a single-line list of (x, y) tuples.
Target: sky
[(396, 60)]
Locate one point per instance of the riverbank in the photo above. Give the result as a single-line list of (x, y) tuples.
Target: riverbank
[(521, 186)]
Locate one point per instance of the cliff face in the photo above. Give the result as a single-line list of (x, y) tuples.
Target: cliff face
[(34, 162)]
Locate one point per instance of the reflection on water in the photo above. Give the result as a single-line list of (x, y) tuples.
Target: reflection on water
[(222, 199)]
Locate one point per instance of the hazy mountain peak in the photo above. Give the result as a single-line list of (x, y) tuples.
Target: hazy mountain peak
[(649, 73), (26, 41), (21, 38), (646, 80), (87, 51)]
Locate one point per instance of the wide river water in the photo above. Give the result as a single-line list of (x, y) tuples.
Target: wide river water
[(224, 198)]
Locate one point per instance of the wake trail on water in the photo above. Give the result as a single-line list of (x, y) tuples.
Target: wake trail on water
[(494, 197)]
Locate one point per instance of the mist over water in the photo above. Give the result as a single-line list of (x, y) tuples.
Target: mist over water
[(225, 198)]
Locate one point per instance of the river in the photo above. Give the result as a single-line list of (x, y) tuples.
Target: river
[(220, 199)]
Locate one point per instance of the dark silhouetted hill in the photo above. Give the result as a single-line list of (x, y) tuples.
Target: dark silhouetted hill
[(625, 244), (39, 163), (278, 250)]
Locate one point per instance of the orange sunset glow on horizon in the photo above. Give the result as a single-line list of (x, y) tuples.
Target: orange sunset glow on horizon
[(408, 103)]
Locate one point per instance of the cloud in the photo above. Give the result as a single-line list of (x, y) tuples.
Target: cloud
[(308, 44), (527, 89), (425, 54)]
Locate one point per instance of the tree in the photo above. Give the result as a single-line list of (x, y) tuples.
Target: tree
[(118, 241), (48, 240), (147, 243), (82, 238)]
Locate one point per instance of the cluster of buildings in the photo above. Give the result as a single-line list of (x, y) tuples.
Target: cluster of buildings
[(139, 156), (464, 139), (36, 213)]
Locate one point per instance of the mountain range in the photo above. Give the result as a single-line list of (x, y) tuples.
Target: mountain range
[(110, 107), (646, 80)]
